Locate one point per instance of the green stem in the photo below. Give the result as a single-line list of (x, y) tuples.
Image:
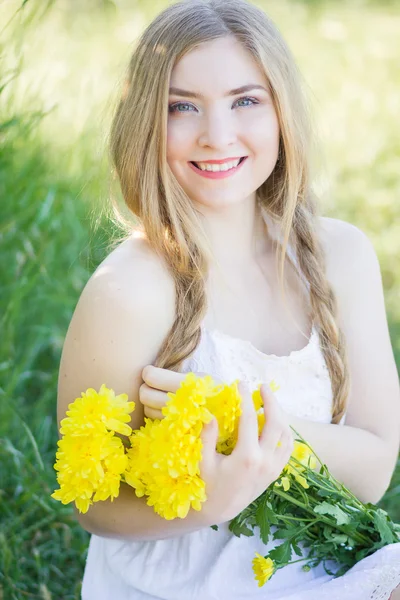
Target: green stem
[(305, 528), (308, 446), (360, 538), (294, 561), (337, 483)]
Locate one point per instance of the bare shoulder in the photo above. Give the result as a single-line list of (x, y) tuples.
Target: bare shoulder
[(122, 317), (132, 276), (347, 248)]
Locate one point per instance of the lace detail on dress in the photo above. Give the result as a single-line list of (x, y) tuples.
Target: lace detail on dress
[(374, 578), (303, 377)]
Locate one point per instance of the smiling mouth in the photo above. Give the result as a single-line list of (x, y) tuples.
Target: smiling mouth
[(216, 167)]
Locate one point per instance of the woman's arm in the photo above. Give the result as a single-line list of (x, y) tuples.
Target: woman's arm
[(120, 322), (362, 453), (359, 459)]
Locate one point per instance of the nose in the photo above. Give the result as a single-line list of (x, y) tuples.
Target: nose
[(218, 131)]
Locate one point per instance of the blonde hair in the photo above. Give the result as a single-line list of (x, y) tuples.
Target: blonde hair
[(152, 194)]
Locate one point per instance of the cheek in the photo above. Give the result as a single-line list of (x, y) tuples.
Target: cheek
[(263, 135), (180, 139)]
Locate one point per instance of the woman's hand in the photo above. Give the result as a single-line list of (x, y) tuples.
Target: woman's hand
[(234, 481), (153, 393)]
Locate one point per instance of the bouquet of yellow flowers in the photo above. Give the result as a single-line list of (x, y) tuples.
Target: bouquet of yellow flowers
[(163, 464)]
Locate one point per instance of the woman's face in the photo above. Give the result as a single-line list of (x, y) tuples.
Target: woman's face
[(220, 112)]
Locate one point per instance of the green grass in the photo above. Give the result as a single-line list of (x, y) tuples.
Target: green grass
[(54, 181)]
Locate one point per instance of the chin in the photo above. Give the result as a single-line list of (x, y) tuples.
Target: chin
[(219, 201)]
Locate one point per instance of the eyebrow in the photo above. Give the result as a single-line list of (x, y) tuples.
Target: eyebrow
[(240, 90)]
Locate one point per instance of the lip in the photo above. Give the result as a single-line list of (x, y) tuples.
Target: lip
[(220, 161), (218, 174)]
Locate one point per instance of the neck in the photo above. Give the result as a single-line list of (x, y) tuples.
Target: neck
[(237, 234)]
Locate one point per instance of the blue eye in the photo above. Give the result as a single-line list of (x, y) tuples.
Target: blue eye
[(246, 99), (184, 107), (174, 107)]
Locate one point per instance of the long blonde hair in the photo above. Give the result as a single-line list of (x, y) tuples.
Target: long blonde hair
[(152, 194)]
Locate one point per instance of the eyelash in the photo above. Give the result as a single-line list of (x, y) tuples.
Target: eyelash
[(173, 106)]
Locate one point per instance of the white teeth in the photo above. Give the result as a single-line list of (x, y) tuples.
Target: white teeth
[(218, 167)]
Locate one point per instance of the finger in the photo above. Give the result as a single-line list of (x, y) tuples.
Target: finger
[(151, 397), (209, 437), (286, 448), (153, 414), (248, 424), (162, 379), (272, 430), (285, 441)]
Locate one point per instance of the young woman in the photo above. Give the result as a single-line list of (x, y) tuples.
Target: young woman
[(211, 144)]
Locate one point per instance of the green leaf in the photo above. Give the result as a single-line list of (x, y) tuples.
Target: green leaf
[(215, 527), (297, 549), (282, 553), (240, 529), (263, 520), (381, 523), (335, 511), (331, 535), (271, 516), (339, 538), (363, 553), (287, 532)]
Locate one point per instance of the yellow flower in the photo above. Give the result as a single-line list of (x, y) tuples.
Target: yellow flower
[(87, 465), (263, 569), (304, 455), (173, 497), (163, 461), (224, 404), (95, 411), (188, 403), (285, 482), (164, 458)]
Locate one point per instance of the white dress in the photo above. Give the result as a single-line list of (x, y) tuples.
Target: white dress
[(216, 565)]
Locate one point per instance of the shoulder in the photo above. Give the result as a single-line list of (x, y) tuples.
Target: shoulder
[(342, 240), (121, 319), (132, 276), (348, 252)]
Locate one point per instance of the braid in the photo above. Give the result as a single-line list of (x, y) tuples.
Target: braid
[(323, 306), (191, 306)]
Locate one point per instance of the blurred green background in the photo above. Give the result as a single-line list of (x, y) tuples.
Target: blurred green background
[(62, 64)]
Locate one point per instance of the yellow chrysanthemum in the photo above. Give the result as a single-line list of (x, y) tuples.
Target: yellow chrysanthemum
[(283, 482), (188, 403), (90, 459), (165, 467), (164, 458), (263, 569), (304, 455), (87, 465), (173, 497), (223, 402), (306, 458), (163, 462), (96, 410)]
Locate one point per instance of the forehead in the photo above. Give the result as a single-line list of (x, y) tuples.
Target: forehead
[(217, 66)]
